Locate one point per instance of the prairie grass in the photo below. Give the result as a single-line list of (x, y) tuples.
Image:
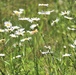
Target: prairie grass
[(37, 40)]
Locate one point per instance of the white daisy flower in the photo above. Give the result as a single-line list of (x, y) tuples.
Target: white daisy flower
[(9, 29), (18, 13), (45, 12), (20, 32), (13, 35), (66, 55), (21, 10), (22, 40), (24, 18), (33, 32), (44, 52), (73, 46), (55, 21), (2, 55), (65, 13), (71, 28), (35, 19), (43, 5), (2, 30), (15, 27), (74, 42), (18, 56), (48, 47), (64, 46), (8, 24), (70, 18), (33, 26)]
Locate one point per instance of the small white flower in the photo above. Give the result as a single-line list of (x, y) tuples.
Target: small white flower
[(33, 26), (9, 29), (43, 5), (65, 12), (44, 52), (66, 55), (13, 35), (73, 46), (48, 47), (18, 56), (55, 21), (70, 18), (8, 24), (30, 19), (45, 12), (27, 19), (24, 18), (2, 55), (68, 28), (22, 40), (17, 44), (15, 27), (20, 32), (35, 19), (64, 46), (18, 13), (33, 32), (21, 10), (21, 29), (2, 30), (74, 42), (71, 28), (52, 23)]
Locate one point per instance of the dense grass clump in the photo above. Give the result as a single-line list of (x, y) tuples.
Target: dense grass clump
[(37, 37)]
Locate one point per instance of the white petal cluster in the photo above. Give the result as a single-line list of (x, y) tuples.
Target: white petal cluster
[(2, 55), (65, 12), (73, 29), (47, 47), (8, 24), (30, 19), (43, 5), (66, 55), (29, 38), (75, 42), (13, 35), (33, 26), (32, 32), (18, 56), (70, 18), (18, 13), (2, 30), (44, 52), (55, 21), (45, 12), (20, 32), (73, 46)]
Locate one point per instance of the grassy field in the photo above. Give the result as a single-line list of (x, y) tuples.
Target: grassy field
[(37, 37)]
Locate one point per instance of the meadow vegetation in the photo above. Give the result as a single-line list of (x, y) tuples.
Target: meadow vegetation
[(37, 37)]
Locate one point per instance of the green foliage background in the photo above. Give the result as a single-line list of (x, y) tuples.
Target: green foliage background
[(32, 61)]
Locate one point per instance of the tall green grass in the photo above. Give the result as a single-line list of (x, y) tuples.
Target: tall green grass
[(58, 37)]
